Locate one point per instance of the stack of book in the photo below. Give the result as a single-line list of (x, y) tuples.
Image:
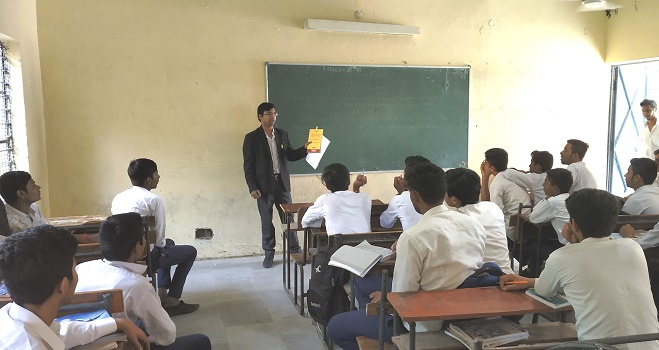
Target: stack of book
[(492, 332)]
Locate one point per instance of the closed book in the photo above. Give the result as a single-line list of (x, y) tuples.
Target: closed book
[(557, 301), (493, 331)]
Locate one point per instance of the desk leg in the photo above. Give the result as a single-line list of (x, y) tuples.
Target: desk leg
[(352, 292), (412, 335)]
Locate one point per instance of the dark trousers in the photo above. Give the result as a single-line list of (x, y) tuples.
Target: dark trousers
[(363, 287), (344, 328), (265, 203), (162, 259), (186, 342)]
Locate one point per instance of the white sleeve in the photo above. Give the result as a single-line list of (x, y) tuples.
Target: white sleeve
[(161, 216), (314, 215), (633, 206), (548, 284), (145, 305), (542, 212), (389, 216), (496, 196), (409, 263), (519, 178), (650, 238), (74, 333)]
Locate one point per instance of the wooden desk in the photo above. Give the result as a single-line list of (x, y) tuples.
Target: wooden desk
[(78, 223)]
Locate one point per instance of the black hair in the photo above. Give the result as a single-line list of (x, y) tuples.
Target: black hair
[(544, 159), (428, 180), (11, 182), (414, 160), (34, 262), (119, 234), (141, 169), (579, 147), (498, 158), (336, 177), (463, 184), (645, 167), (262, 108), (594, 211), (561, 178), (650, 103), (656, 151)]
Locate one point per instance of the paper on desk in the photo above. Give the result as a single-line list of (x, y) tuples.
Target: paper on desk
[(314, 158)]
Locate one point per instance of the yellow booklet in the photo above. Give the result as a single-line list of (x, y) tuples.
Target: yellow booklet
[(315, 137)]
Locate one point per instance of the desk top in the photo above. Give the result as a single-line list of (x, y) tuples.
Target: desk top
[(70, 221), (465, 303), (292, 208)]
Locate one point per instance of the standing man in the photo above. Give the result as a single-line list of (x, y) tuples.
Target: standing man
[(650, 136), (265, 151)]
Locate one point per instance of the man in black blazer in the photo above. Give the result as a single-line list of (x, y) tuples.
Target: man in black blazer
[(265, 152)]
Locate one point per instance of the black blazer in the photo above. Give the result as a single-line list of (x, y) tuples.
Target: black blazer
[(257, 161)]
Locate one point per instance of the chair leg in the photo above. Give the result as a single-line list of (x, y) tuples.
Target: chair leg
[(295, 286), (303, 294)]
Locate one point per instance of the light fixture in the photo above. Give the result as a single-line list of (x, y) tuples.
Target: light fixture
[(597, 5), (360, 27)]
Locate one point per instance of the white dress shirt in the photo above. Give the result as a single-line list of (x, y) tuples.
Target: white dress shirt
[(344, 212), (552, 209), (140, 300), (19, 221), (530, 181), (491, 217), (22, 329), (139, 200), (581, 177), (606, 281), (400, 207), (650, 140), (439, 252), (644, 201), (507, 195), (649, 239)]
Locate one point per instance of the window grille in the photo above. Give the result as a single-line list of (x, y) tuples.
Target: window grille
[(7, 162)]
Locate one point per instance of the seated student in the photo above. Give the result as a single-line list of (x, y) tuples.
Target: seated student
[(400, 207), (19, 191), (557, 189), (122, 243), (645, 199), (440, 252), (572, 155), (139, 199), (656, 160), (503, 192), (38, 267), (344, 211), (463, 186), (605, 280), (532, 180)]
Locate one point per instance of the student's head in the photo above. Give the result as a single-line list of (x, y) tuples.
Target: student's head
[(595, 212), (541, 161), (641, 171), (649, 108), (497, 158), (267, 114), (656, 156), (414, 160), (143, 172), (336, 177), (558, 181), (38, 263), (121, 237), (427, 184), (19, 185), (574, 151), (463, 187)]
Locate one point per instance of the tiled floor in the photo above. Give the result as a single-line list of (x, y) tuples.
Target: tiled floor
[(244, 307)]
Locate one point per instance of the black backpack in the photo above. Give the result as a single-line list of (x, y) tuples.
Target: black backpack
[(326, 296)]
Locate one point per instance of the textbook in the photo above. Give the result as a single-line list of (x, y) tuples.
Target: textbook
[(557, 301), (493, 331), (316, 138), (105, 342), (361, 258)]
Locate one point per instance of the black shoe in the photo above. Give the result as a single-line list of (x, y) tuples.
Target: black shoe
[(269, 257), (181, 308)]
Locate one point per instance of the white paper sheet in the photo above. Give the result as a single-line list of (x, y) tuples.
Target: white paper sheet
[(314, 158)]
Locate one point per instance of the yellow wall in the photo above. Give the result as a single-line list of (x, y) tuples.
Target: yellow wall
[(179, 82), (631, 32), (18, 27)]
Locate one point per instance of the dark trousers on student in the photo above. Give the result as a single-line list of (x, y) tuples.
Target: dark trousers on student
[(163, 258), (344, 328), (186, 342), (363, 287), (265, 203)]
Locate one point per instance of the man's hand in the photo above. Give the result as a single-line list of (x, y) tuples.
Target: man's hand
[(360, 181), (628, 231), (136, 337), (375, 296), (393, 246), (306, 145), (399, 184), (568, 234), (256, 194), (485, 172), (513, 282)]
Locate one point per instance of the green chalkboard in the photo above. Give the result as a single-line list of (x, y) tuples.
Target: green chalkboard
[(374, 116)]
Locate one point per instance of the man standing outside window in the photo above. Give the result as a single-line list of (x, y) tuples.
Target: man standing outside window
[(265, 152), (650, 134)]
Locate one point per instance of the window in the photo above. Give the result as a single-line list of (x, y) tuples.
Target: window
[(6, 136)]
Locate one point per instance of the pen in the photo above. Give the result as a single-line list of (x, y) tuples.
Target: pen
[(363, 174), (510, 283)]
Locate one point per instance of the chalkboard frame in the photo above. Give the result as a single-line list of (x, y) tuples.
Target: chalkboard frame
[(299, 139)]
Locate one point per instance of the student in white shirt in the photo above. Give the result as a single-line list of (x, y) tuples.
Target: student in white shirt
[(38, 267), (463, 187), (344, 211), (123, 244), (605, 280), (557, 189), (442, 250), (400, 207), (502, 192), (640, 176), (649, 135), (656, 160), (20, 191), (532, 180), (572, 155), (139, 199)]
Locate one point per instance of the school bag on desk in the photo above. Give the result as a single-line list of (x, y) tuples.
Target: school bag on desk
[(326, 296)]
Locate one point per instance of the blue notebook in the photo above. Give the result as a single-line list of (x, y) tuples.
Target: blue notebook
[(85, 316)]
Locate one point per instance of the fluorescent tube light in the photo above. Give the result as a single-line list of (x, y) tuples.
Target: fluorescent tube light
[(360, 27)]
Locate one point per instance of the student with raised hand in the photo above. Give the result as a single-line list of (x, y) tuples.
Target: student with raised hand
[(38, 267), (400, 207), (463, 187), (605, 280), (532, 180), (123, 243), (572, 155), (440, 252), (344, 211), (502, 192), (640, 175)]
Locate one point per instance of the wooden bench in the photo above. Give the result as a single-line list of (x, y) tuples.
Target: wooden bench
[(642, 222)]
